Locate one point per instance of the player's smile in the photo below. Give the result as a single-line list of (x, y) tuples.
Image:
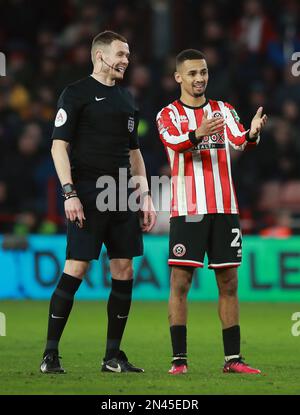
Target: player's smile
[(199, 86)]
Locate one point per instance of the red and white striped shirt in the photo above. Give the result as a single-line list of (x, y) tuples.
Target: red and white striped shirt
[(201, 173)]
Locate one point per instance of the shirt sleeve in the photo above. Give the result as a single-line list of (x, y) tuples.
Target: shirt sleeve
[(170, 132), (68, 107), (133, 125), (237, 135)]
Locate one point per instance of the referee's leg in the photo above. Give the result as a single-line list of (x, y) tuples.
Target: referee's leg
[(59, 310), (118, 304)]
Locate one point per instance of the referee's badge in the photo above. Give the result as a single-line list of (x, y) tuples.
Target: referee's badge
[(130, 124), (61, 118), (179, 250)]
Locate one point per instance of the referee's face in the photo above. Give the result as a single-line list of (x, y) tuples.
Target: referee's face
[(117, 57), (192, 75)]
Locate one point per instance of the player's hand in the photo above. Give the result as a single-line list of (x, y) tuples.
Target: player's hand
[(257, 123), (74, 211), (148, 214), (210, 126)]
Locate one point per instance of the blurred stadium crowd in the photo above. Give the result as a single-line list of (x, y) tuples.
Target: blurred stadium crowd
[(248, 45)]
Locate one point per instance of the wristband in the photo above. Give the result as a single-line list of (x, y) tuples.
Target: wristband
[(251, 140), (69, 195)]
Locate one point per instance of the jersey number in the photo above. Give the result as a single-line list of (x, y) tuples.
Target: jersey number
[(235, 243)]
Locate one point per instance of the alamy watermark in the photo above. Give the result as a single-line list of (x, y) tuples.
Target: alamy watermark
[(296, 326), (123, 194), (296, 65), (2, 64), (127, 195), (2, 324)]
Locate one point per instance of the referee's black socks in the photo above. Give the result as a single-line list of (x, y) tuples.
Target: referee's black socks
[(60, 307), (118, 307)]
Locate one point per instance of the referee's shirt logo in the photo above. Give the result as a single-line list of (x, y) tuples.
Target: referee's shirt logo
[(61, 118)]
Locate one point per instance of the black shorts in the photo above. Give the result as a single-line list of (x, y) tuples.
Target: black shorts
[(119, 231), (218, 235)]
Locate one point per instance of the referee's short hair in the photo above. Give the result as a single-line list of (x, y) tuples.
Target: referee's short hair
[(105, 39), (188, 54)]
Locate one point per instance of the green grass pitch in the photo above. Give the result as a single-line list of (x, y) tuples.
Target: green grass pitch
[(267, 343)]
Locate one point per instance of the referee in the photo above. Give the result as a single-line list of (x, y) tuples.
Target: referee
[(95, 135)]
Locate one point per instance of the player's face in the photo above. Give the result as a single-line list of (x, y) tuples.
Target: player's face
[(117, 56), (192, 75)]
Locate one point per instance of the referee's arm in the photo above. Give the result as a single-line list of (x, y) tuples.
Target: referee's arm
[(59, 151), (73, 206), (138, 172)]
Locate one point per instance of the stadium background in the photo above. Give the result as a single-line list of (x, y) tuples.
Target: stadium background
[(249, 46)]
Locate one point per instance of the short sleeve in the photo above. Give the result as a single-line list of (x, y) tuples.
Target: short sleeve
[(68, 107), (133, 131)]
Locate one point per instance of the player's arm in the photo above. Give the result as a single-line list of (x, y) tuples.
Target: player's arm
[(172, 136), (257, 123), (139, 177), (64, 127), (238, 136)]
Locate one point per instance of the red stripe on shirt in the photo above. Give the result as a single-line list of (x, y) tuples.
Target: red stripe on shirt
[(223, 169), (190, 185), (175, 169), (184, 125), (189, 176)]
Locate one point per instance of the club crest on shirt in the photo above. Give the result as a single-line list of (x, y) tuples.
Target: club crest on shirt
[(130, 124), (216, 114), (61, 118)]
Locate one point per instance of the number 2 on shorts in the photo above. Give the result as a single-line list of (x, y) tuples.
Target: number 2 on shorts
[(235, 243)]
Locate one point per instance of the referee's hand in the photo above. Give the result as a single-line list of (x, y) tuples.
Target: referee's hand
[(149, 214), (74, 211)]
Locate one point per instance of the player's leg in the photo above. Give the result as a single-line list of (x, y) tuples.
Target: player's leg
[(227, 282), (224, 257), (123, 243), (181, 279), (187, 246), (228, 308)]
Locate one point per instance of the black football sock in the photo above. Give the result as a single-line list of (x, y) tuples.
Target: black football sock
[(178, 337), (60, 307), (118, 307), (232, 342)]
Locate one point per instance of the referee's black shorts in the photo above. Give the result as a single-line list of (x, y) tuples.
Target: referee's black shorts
[(119, 231), (218, 235)]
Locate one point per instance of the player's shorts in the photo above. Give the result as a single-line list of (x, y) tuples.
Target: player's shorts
[(218, 235), (120, 231)]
